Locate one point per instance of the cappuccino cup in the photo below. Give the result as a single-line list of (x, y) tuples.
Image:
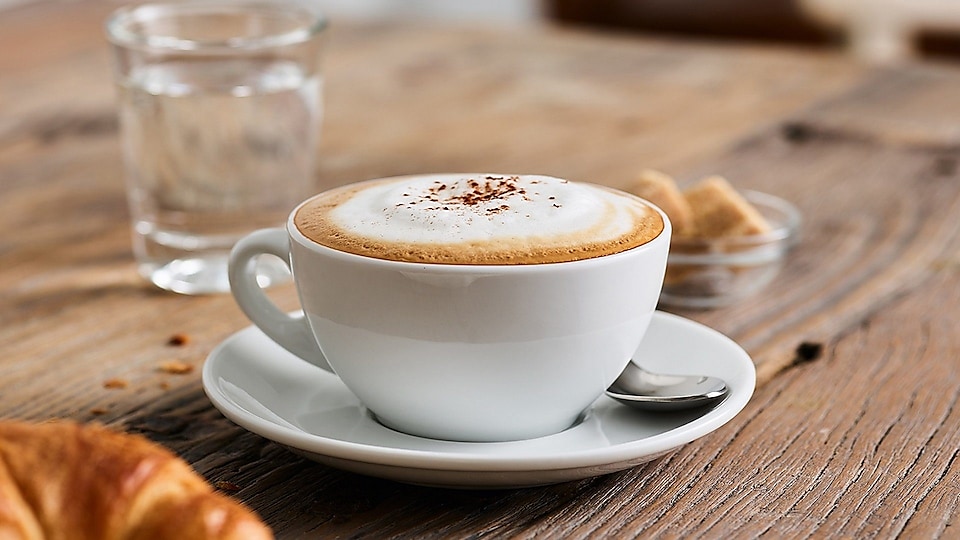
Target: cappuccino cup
[(467, 307)]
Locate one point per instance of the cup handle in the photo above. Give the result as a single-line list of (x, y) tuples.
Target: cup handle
[(292, 332)]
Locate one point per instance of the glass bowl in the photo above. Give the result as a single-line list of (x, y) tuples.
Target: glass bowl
[(716, 272)]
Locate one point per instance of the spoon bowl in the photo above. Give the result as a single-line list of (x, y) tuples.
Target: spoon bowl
[(641, 389)]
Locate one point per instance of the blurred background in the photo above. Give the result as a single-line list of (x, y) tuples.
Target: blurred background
[(877, 31)]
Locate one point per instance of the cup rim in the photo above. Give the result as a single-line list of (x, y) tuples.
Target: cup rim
[(118, 33), (294, 233)]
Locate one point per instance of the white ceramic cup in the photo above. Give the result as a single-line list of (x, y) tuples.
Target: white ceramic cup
[(459, 352)]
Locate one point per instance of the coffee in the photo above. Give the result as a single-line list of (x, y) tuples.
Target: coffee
[(478, 219), (488, 345)]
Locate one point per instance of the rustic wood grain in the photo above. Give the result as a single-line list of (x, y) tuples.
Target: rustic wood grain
[(861, 442)]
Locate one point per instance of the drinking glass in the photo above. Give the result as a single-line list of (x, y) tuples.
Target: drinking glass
[(220, 104)]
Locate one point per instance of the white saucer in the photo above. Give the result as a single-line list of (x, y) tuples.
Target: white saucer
[(272, 393)]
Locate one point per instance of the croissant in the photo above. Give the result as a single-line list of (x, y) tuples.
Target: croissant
[(63, 480)]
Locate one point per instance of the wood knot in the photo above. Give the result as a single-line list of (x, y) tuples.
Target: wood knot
[(807, 351)]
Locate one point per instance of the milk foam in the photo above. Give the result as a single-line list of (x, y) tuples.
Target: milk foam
[(478, 218)]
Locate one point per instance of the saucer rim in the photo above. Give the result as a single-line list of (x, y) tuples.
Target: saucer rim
[(507, 461)]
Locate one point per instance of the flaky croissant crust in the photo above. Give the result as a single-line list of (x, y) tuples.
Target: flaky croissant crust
[(62, 480)]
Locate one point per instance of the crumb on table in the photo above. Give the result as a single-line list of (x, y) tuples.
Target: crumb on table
[(224, 485), (176, 367), (115, 383), (178, 340)]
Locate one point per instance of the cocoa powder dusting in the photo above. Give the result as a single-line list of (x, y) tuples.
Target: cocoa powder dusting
[(485, 190)]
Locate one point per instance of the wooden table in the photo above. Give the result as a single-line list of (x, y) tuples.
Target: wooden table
[(862, 442)]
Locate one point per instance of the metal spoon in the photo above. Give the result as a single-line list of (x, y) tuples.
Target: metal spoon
[(642, 389)]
